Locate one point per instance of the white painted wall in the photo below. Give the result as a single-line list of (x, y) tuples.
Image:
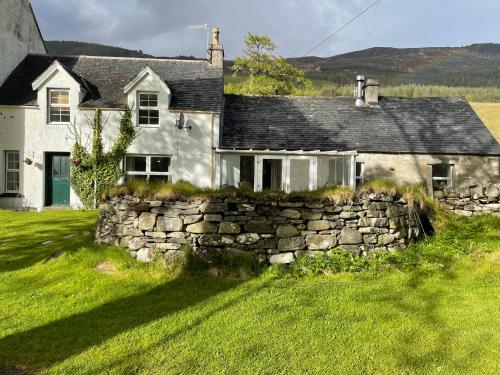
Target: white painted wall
[(19, 35), (27, 130)]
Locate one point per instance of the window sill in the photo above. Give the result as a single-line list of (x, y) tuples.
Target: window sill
[(59, 123), (11, 195), (148, 126)]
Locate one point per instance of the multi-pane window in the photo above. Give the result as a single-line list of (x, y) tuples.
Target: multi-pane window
[(237, 171), (442, 176), (59, 109), (147, 168), (360, 171), (149, 112), (12, 171)]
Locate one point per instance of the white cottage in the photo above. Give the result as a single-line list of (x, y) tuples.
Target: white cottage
[(189, 130)]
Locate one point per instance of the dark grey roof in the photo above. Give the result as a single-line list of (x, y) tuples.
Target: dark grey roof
[(399, 125), (193, 85)]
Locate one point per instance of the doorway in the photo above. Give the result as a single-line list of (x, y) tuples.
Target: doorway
[(57, 179)]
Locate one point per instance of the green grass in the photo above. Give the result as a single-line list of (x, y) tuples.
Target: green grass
[(61, 316)]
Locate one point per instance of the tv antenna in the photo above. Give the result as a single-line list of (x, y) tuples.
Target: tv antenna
[(205, 27)]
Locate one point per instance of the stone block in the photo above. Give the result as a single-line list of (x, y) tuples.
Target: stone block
[(146, 255), (136, 243), (290, 244), (286, 231), (318, 225), (202, 227), (309, 215), (213, 207), (283, 258), (146, 221), (245, 207), (229, 227), (155, 203), (290, 213), (169, 224), (212, 217), (158, 235), (492, 192), (370, 239), (348, 215), (320, 242), (353, 249), (191, 219), (386, 239), (350, 236), (247, 238), (215, 240)]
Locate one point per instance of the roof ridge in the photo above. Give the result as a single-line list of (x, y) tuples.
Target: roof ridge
[(121, 58)]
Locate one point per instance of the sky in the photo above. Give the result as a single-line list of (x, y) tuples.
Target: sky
[(162, 27)]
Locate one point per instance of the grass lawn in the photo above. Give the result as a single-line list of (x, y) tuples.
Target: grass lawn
[(490, 114), (63, 316)]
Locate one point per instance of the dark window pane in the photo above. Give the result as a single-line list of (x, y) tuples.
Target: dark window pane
[(441, 170), (160, 164), (135, 163), (158, 178), (64, 167), (247, 171), (56, 167), (13, 181), (359, 167)]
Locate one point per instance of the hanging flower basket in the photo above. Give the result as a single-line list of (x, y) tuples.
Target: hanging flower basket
[(28, 161), (76, 162)]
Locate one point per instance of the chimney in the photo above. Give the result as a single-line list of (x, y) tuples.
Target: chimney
[(215, 51), (360, 102), (371, 92)]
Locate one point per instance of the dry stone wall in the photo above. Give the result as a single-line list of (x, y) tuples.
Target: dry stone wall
[(471, 200), (270, 232)]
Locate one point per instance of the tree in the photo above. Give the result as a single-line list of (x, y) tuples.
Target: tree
[(268, 74), (92, 172)]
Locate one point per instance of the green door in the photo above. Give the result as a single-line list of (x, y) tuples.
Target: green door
[(59, 180)]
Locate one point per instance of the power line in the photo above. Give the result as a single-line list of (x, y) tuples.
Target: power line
[(341, 28)]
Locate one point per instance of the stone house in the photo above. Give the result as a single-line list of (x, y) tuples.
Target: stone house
[(189, 130)]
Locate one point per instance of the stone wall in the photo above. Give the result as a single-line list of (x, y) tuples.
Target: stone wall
[(270, 232), (470, 200)]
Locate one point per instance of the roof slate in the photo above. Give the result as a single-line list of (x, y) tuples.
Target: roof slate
[(398, 125), (193, 85)]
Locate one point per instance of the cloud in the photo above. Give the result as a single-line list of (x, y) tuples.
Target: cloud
[(161, 27)]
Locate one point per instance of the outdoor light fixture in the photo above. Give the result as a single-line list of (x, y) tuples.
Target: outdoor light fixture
[(181, 123)]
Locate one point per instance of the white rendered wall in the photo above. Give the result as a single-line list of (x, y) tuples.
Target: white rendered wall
[(19, 35), (27, 130)]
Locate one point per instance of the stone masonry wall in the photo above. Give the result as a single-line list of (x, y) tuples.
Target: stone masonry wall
[(270, 232), (471, 200)]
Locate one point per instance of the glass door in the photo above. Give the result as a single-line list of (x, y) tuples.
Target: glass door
[(271, 173), (300, 173)]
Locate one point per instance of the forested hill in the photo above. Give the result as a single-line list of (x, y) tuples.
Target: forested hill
[(64, 48), (477, 65)]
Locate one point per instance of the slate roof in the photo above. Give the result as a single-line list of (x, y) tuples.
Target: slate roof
[(193, 85), (399, 125)]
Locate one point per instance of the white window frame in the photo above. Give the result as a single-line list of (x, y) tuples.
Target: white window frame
[(451, 171), (7, 170), (50, 105), (148, 173), (148, 108), (360, 179)]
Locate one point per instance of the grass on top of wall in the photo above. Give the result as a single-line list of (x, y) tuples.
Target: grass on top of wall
[(71, 307), (337, 195)]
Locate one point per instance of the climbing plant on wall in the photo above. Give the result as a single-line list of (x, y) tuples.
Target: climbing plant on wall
[(94, 170)]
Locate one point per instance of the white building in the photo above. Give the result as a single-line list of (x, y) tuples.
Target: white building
[(188, 130)]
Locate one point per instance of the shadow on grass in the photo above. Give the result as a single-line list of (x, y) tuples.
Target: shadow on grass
[(44, 346), (22, 245)]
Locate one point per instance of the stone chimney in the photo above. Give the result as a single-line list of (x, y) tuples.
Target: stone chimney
[(215, 51), (371, 92)]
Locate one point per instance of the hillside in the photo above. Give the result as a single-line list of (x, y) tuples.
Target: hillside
[(477, 65)]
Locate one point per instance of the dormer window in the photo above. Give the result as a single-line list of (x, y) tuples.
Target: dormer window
[(149, 111), (59, 108)]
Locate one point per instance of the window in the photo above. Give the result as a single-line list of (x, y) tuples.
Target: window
[(360, 172), (237, 171), (147, 168), (59, 109), (334, 171), (442, 176), (12, 171), (149, 112)]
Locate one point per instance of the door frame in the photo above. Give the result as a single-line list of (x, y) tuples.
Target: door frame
[(48, 178), (285, 170)]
